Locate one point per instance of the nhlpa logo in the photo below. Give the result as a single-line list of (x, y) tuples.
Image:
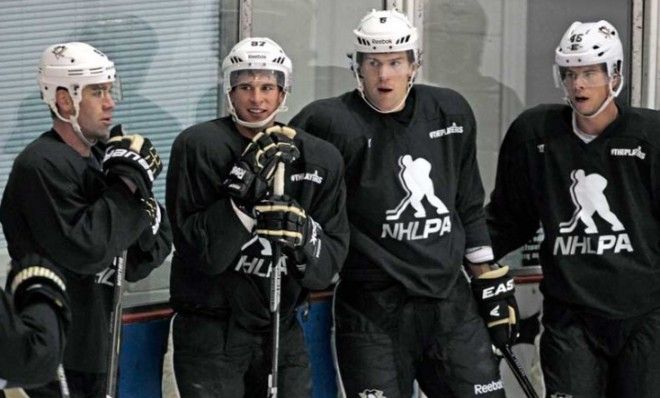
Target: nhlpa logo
[(415, 178), (372, 394), (587, 193), (256, 258), (588, 196)]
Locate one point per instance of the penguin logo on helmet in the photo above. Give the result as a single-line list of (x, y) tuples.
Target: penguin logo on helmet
[(58, 51), (605, 31)]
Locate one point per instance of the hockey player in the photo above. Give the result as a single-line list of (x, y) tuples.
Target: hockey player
[(589, 171), (403, 308), (33, 323), (225, 221), (79, 209)]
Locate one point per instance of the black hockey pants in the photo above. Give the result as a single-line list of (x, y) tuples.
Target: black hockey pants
[(589, 356), (385, 339), (218, 358)]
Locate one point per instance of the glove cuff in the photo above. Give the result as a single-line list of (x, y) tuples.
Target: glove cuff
[(35, 283), (36, 271), (495, 273), (311, 247), (308, 253), (283, 130)]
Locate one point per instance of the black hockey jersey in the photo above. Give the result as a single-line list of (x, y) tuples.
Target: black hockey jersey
[(414, 194), (220, 267), (56, 203), (598, 202)]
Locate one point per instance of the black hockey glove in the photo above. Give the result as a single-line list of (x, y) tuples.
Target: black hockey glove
[(281, 219), (494, 291), (152, 207), (154, 212), (34, 279), (250, 178), (132, 157)]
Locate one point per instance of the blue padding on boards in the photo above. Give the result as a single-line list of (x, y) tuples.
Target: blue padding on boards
[(140, 364), (317, 327), (144, 345)]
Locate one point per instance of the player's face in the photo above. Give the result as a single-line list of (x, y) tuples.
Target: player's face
[(255, 96), (96, 109), (587, 87), (385, 78)]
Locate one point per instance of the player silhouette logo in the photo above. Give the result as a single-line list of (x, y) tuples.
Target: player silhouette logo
[(415, 178), (371, 394), (587, 193)]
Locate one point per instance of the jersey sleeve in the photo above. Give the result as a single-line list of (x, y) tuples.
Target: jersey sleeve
[(319, 119), (206, 228), (305, 120), (316, 122), (511, 216), (77, 229), (31, 344), (330, 213), (470, 193)]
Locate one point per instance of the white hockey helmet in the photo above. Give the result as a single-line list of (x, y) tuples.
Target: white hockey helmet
[(386, 31), (257, 54), (73, 66), (591, 43)]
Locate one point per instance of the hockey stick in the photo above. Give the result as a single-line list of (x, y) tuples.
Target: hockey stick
[(275, 291), (64, 386), (115, 326), (518, 372)]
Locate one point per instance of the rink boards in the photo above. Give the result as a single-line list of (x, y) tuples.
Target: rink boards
[(145, 332)]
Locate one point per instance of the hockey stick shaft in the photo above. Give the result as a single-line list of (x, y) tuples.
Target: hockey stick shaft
[(64, 386), (275, 291), (518, 372), (115, 326)]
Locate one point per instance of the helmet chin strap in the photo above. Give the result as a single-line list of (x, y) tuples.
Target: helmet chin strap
[(73, 121), (255, 125), (396, 108), (612, 94)]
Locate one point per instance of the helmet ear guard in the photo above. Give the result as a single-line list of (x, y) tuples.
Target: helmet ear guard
[(253, 54)]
